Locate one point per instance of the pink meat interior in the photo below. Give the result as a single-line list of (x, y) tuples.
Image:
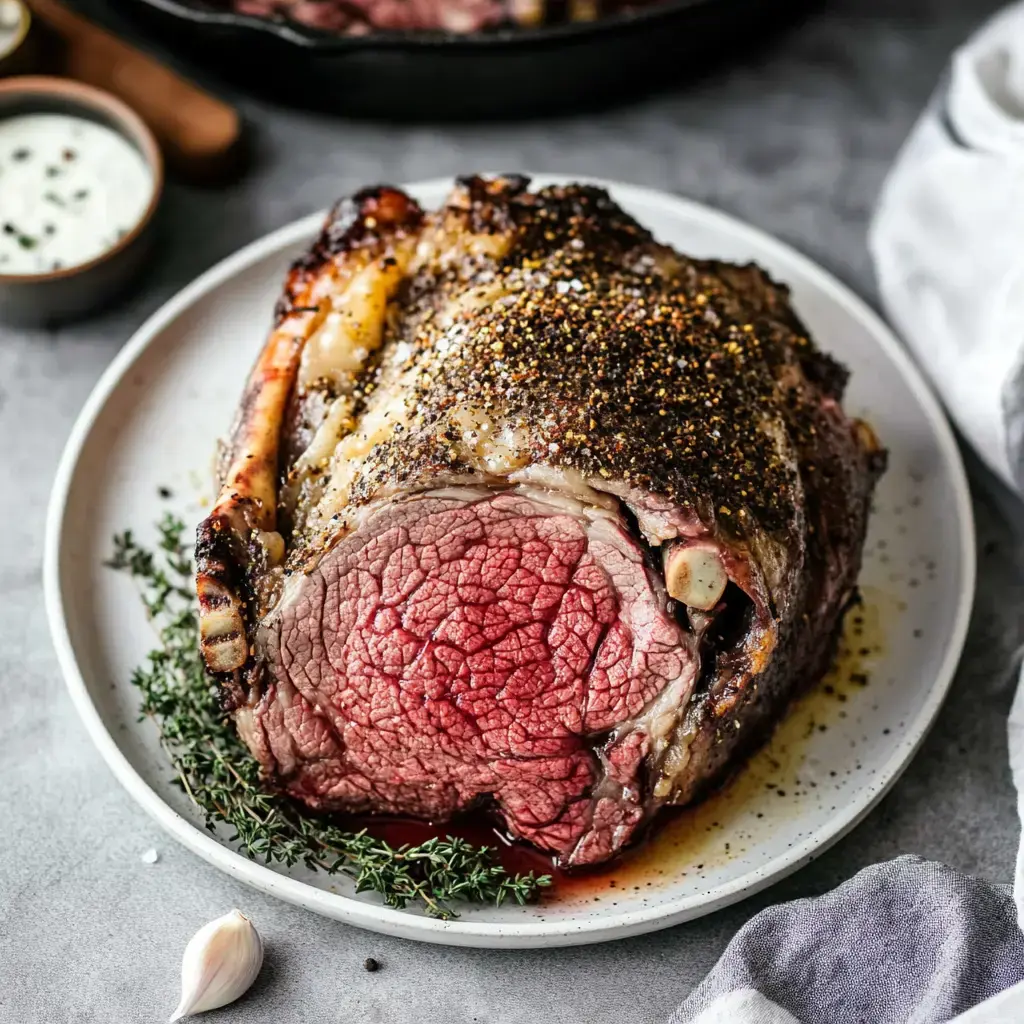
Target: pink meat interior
[(464, 649)]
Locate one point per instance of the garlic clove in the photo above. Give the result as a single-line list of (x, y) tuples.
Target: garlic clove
[(695, 575), (220, 962)]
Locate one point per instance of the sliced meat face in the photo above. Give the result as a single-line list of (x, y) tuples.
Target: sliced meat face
[(471, 647)]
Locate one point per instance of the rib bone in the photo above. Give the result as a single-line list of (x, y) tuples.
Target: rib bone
[(694, 574)]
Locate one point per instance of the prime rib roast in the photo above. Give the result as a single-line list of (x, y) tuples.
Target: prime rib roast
[(526, 513)]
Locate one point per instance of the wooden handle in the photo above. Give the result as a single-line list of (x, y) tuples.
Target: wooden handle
[(198, 133)]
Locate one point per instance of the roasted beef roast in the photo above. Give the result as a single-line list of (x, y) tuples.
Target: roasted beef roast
[(527, 513)]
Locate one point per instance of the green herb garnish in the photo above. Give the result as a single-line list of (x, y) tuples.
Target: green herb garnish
[(221, 778)]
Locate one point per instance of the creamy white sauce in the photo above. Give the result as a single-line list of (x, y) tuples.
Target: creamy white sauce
[(70, 189)]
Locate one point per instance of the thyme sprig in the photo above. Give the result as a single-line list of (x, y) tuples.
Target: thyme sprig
[(215, 769)]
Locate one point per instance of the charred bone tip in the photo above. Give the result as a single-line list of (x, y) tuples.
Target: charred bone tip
[(221, 626)]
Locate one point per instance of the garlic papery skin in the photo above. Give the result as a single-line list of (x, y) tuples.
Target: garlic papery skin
[(220, 962)]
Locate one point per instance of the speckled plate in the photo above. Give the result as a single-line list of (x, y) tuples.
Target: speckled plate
[(152, 421)]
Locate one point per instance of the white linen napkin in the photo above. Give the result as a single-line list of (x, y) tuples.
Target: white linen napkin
[(948, 243)]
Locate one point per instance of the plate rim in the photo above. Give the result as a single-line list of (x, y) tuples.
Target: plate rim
[(459, 932)]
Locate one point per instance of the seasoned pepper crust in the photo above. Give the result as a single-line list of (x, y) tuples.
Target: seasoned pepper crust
[(624, 360), (656, 411)]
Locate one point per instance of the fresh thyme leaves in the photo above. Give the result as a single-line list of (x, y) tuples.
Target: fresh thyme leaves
[(222, 779)]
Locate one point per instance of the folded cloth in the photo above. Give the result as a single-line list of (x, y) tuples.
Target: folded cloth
[(911, 942), (905, 942), (946, 241)]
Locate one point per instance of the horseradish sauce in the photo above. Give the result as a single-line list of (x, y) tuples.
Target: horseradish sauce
[(70, 189)]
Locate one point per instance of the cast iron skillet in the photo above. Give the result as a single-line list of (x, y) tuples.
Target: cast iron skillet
[(504, 72)]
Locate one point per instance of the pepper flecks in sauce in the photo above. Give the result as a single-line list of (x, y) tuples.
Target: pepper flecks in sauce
[(70, 189)]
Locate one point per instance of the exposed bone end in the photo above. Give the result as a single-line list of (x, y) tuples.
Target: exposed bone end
[(695, 576), (221, 628)]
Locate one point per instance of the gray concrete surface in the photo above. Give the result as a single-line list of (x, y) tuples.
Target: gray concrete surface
[(796, 140)]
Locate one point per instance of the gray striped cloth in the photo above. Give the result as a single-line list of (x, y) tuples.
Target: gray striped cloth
[(905, 942)]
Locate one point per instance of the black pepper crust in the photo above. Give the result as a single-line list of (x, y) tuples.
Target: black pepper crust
[(619, 357), (485, 201)]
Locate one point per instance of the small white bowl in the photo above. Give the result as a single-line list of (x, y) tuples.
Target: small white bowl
[(40, 299)]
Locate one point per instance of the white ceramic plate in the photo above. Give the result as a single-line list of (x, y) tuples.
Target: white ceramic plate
[(152, 421)]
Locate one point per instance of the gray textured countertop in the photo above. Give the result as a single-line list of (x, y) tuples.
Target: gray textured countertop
[(797, 141)]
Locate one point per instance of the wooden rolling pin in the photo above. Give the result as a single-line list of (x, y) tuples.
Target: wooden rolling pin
[(200, 135)]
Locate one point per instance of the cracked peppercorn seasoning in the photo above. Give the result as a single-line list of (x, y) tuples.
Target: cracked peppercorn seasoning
[(602, 352)]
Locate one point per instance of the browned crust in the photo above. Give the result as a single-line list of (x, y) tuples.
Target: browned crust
[(366, 220)]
